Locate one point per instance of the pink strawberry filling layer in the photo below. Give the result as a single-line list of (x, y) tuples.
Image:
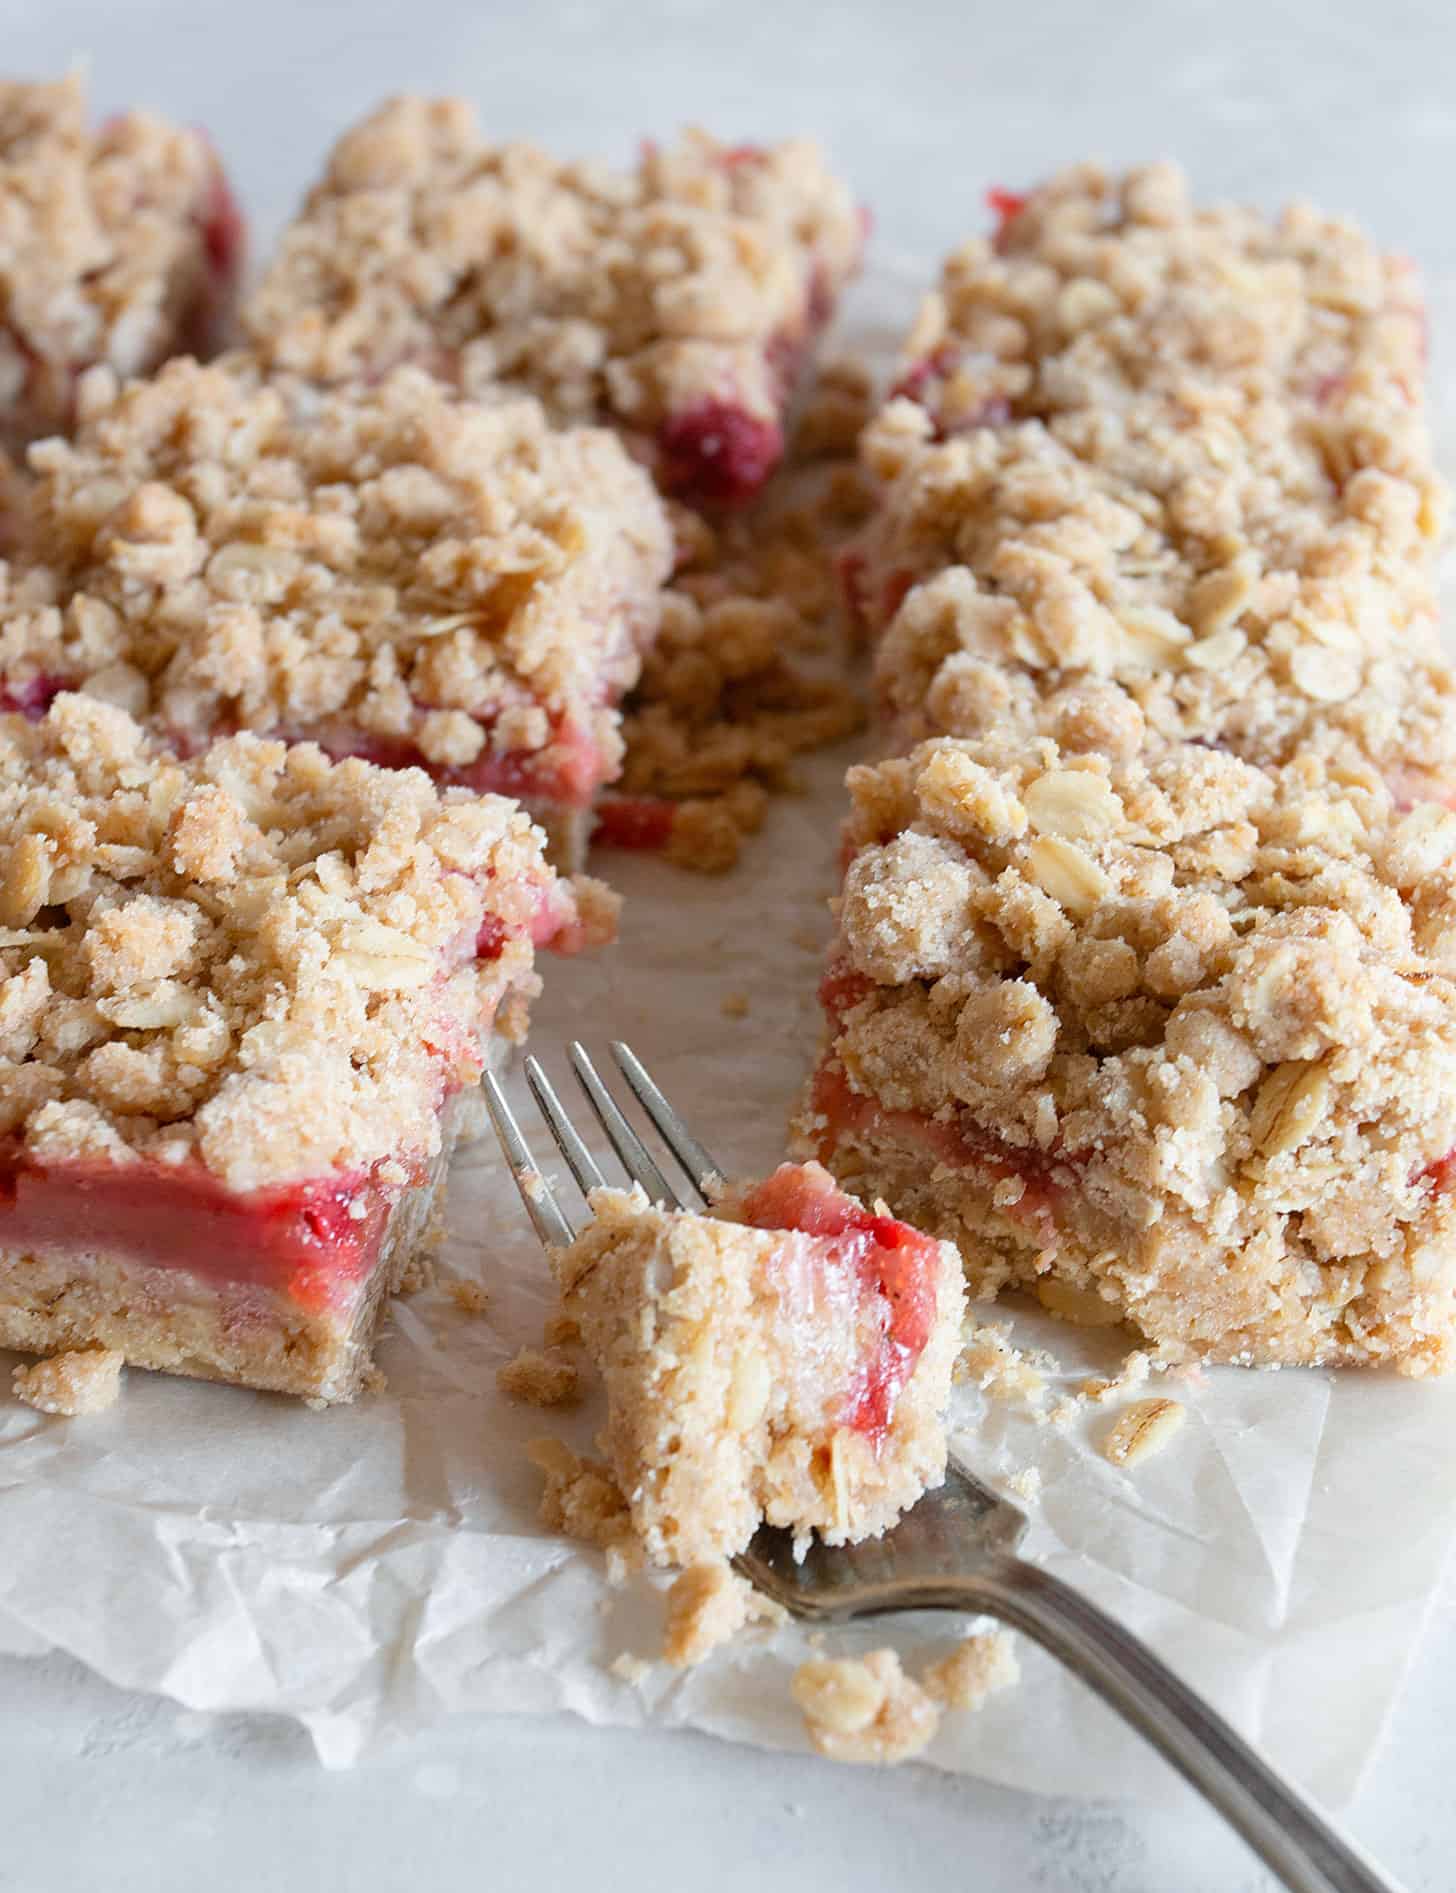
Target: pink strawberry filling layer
[(312, 1242), (567, 772), (892, 1266)]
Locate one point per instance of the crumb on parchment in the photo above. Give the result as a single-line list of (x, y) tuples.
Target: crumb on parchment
[(708, 1605), (976, 1668), (534, 1378), (864, 1709), (85, 1380)]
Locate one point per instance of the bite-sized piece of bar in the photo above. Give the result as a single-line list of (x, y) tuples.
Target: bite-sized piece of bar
[(676, 300), (120, 245), (784, 1357), (391, 572), (1182, 450), (1171, 1038), (244, 1002)]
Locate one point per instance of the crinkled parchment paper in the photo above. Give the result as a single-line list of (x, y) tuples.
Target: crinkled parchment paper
[(371, 1569)]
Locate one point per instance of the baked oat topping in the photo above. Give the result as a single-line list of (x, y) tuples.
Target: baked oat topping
[(707, 1606), (537, 1380), (1180, 450), (1142, 1429), (671, 298), (977, 1668), (118, 245), (398, 571), (1184, 1029), (259, 961), (82, 1380)]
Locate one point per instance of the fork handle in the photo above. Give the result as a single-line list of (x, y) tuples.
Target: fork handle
[(1288, 1833)]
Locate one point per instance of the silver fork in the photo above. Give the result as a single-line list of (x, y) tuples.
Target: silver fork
[(956, 1549)]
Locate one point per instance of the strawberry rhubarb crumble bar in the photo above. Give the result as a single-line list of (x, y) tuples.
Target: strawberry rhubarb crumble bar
[(676, 300), (785, 1357), (1158, 1034), (119, 245), (244, 1002), (1180, 453), (391, 572)]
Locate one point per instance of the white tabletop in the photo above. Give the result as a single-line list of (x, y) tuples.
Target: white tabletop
[(923, 102)]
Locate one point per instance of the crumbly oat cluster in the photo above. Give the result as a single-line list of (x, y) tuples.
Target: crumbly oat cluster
[(728, 1361), (118, 245), (1180, 450), (398, 572), (82, 1380), (259, 960), (640, 296), (1171, 1028)]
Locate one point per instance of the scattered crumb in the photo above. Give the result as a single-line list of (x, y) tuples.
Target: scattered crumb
[(735, 1005), (1143, 1429), (539, 1381), (562, 1331), (974, 1670), (1026, 1484), (631, 1669), (1132, 1374), (999, 1369), (469, 1297), (708, 1604), (87, 1380), (864, 1709), (581, 1498)]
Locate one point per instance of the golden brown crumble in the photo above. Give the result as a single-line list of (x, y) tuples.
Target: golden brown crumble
[(639, 295), (1178, 452), (864, 1709), (1182, 1032), (537, 1380), (469, 1297), (978, 1667), (707, 1606), (723, 1381), (84, 1380), (259, 960), (581, 1498), (395, 569), (104, 248)]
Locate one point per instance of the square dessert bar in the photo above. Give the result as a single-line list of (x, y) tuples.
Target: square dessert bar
[(243, 1003), (391, 572), (1168, 1038), (785, 1357), (1179, 451), (119, 245), (675, 300)]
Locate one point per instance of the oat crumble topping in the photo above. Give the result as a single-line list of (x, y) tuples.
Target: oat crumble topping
[(1175, 453), (1142, 1429), (636, 295), (117, 245), (864, 1709), (259, 960), (395, 571), (978, 1667), (538, 1381)]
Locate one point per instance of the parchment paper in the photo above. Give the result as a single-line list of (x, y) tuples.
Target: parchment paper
[(374, 1568)]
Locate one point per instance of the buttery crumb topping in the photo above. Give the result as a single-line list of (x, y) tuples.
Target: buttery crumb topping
[(258, 960), (632, 294), (388, 570), (1179, 449), (109, 247)]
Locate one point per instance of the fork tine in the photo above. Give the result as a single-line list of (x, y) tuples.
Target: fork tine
[(692, 1159), (541, 1206), (637, 1159), (580, 1161)]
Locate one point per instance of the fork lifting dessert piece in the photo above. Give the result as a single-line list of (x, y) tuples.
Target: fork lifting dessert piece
[(676, 300), (1179, 451), (244, 1002), (120, 245), (785, 1356), (1164, 1037), (391, 572)]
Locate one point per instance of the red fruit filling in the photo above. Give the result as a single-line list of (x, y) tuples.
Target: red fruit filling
[(1007, 207), (31, 700), (567, 772), (893, 1263), (312, 1241), (717, 453), (641, 822)]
